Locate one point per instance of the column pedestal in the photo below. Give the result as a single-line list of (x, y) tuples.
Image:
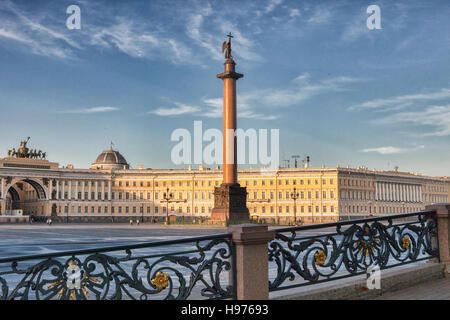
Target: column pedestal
[(230, 204)]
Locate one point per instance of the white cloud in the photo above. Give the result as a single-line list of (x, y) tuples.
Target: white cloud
[(294, 13), (179, 110), (321, 15), (301, 89), (392, 150), (29, 32), (437, 117), (100, 109), (262, 104), (272, 4), (402, 101)]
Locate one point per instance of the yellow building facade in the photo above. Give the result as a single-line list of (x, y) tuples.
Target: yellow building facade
[(110, 191)]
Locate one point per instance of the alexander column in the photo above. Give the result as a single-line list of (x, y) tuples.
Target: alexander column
[(230, 198)]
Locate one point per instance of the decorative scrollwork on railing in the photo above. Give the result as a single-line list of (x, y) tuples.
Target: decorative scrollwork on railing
[(349, 251), (199, 270)]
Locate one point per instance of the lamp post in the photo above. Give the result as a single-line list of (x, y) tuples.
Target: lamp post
[(167, 197), (67, 213), (294, 196)]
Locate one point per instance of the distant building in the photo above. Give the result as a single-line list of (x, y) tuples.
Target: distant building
[(111, 191)]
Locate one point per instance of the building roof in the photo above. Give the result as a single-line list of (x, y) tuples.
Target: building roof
[(109, 158)]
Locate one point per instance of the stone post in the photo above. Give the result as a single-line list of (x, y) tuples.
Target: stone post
[(252, 265), (443, 227)]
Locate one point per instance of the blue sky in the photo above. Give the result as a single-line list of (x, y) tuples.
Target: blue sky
[(137, 70)]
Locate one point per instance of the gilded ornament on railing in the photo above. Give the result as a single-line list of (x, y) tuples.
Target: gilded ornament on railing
[(161, 280), (405, 242), (320, 257), (349, 251), (110, 275)]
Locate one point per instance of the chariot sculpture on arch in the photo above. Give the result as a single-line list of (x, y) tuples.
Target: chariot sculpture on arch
[(24, 152)]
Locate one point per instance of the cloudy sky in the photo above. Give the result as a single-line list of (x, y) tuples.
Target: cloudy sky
[(137, 70)]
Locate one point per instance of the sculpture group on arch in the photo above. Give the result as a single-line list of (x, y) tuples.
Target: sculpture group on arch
[(24, 152)]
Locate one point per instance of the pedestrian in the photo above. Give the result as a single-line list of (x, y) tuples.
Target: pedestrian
[(137, 221), (131, 222)]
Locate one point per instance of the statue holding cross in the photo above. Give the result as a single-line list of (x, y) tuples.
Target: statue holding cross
[(226, 47)]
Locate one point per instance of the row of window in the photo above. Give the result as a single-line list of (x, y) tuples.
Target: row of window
[(210, 183), (292, 209), (203, 195), (356, 195), (128, 209), (381, 210), (148, 209)]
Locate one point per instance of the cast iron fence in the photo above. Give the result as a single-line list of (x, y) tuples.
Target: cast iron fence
[(189, 268), (297, 259)]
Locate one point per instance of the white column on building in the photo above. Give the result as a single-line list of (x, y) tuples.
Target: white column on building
[(414, 193), (57, 189), (389, 191), (420, 194), (70, 189), (76, 189), (63, 182), (82, 189), (109, 190), (103, 190), (89, 190), (408, 193), (397, 187), (2, 195), (376, 191), (386, 191), (96, 190)]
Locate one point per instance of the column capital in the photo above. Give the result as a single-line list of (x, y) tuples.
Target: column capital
[(230, 75)]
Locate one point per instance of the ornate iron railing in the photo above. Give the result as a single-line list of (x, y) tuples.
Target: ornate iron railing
[(350, 248), (190, 268)]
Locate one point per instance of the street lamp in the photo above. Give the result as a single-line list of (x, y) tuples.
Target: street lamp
[(294, 196), (67, 213), (167, 197)]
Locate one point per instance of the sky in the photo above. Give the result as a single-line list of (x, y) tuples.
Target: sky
[(138, 70)]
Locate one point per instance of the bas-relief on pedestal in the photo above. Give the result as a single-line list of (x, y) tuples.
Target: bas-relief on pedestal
[(230, 203)]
